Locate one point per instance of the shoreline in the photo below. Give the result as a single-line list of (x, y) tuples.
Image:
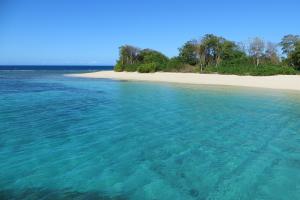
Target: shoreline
[(280, 82)]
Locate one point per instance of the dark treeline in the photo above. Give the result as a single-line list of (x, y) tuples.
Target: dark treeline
[(214, 54)]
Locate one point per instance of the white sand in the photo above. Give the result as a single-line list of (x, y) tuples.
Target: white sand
[(286, 82)]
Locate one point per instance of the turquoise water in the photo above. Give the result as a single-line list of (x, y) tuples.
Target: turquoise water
[(72, 138)]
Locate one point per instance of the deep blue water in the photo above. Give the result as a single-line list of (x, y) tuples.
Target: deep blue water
[(73, 138), (54, 67)]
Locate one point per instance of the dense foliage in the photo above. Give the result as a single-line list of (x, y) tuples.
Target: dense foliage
[(214, 54), (263, 70), (294, 57)]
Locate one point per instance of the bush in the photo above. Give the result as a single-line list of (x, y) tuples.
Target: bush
[(270, 70), (294, 57), (147, 68), (128, 68), (131, 68), (262, 70), (151, 56), (174, 65), (118, 67)]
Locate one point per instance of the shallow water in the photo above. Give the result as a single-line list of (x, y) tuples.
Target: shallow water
[(72, 138)]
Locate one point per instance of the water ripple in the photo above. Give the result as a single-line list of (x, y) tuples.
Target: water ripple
[(68, 138)]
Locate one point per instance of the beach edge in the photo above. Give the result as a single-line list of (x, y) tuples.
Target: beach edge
[(279, 82)]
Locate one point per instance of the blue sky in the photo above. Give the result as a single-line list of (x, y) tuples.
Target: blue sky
[(90, 31)]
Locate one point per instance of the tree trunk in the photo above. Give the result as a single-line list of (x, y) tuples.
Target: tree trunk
[(218, 61)]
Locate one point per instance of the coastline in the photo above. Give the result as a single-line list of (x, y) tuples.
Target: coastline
[(281, 82)]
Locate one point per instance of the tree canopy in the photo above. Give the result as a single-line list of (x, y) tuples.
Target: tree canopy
[(188, 52), (294, 56), (288, 43), (215, 54)]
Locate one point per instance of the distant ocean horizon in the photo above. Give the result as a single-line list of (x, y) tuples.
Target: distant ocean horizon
[(56, 67)]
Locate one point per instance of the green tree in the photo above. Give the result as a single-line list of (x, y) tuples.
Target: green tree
[(210, 45), (128, 54), (288, 43), (174, 64), (231, 51), (188, 54), (294, 56), (218, 55), (210, 49), (213, 50), (152, 56)]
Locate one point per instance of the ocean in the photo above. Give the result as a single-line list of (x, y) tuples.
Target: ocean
[(76, 138), (55, 67)]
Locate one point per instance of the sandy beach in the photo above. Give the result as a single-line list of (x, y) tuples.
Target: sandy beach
[(285, 82)]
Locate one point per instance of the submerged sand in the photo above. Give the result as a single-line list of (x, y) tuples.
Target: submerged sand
[(286, 82)]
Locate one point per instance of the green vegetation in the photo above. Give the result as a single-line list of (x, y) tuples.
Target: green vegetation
[(148, 67), (214, 54), (263, 70), (293, 58)]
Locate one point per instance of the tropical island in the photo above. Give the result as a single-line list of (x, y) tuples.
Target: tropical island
[(213, 60), (215, 54)]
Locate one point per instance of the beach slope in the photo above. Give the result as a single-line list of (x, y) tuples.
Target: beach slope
[(285, 82)]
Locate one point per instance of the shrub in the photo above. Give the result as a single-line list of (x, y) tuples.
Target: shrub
[(131, 68), (174, 64), (294, 57), (147, 68), (118, 67), (269, 70), (262, 70), (152, 56)]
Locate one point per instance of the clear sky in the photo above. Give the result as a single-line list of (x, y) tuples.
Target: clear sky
[(90, 31)]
